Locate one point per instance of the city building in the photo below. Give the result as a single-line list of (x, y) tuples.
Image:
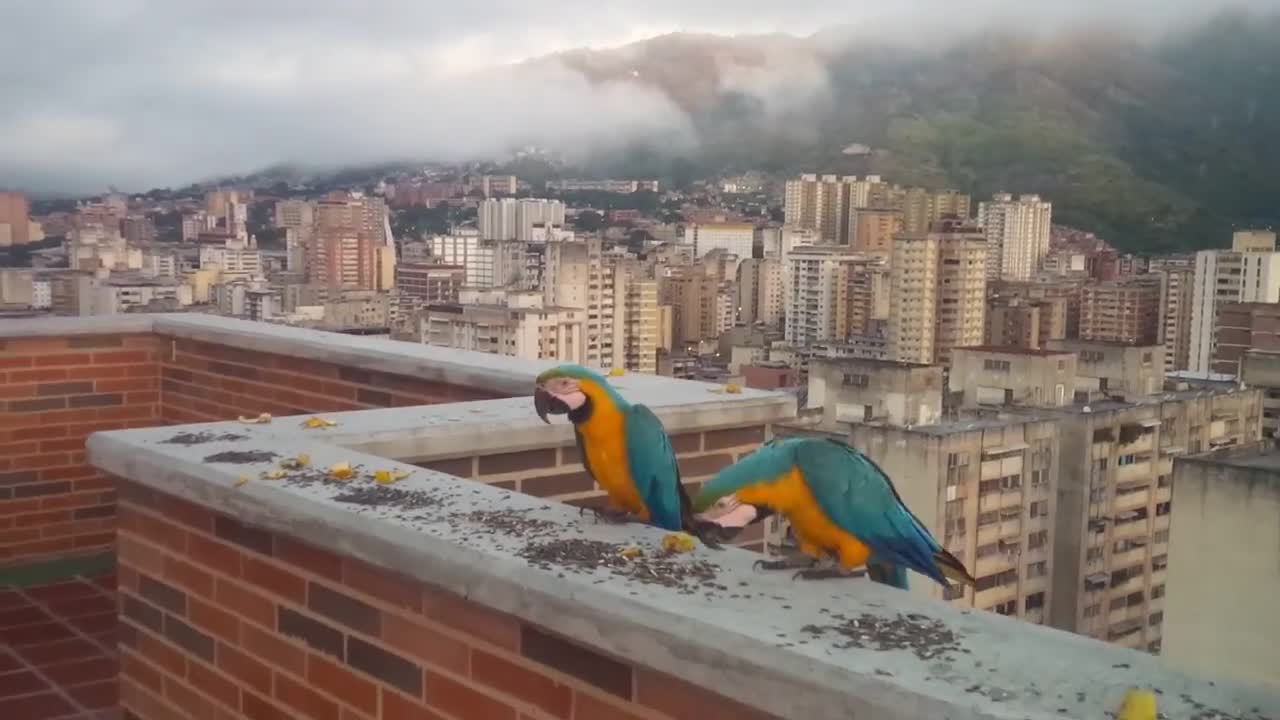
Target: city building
[(1242, 327), (610, 186), (817, 284), (1059, 299), (138, 230), (920, 208), (760, 291), (1261, 369), (1121, 311), (578, 275), (820, 204), (1004, 376), (734, 238), (1223, 534), (938, 283), (495, 185), (856, 390), (296, 215), (1175, 316), (692, 294), (1014, 321), (1247, 273), (1017, 234), (871, 230), (234, 259), (15, 219), (516, 219), (511, 323), (1110, 370), (637, 303), (344, 250), (429, 282)]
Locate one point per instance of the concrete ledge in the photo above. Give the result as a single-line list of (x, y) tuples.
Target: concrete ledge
[(762, 638)]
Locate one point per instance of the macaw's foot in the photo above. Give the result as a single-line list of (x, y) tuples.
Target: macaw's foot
[(822, 573), (712, 534), (611, 516), (789, 562)]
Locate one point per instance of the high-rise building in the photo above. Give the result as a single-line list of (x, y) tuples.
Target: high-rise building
[(296, 215), (1249, 272), (637, 300), (235, 259), (1013, 322), (1242, 327), (921, 208), (1017, 234), (734, 238), (871, 230), (515, 219), (217, 203), (430, 282), (1175, 316), (698, 298), (488, 263), (344, 250), (577, 275), (494, 185), (505, 322), (1121, 311), (819, 203), (817, 306), (938, 292), (760, 298), (15, 219), (138, 230)]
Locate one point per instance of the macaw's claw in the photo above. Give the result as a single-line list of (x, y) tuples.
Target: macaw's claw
[(787, 563), (712, 534), (826, 573), (609, 515)]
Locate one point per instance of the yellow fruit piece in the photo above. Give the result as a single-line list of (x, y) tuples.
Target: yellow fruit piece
[(387, 477), (273, 474), (342, 471), (318, 422), (262, 419), (617, 372), (242, 480), (631, 553), (1138, 705), (678, 542), (733, 389)]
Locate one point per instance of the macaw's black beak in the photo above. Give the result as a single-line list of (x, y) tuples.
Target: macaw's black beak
[(545, 403)]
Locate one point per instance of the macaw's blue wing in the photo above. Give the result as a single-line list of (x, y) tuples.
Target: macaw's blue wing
[(861, 500), (653, 466)]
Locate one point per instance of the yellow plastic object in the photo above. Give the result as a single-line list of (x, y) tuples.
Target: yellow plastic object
[(318, 422), (1138, 705), (296, 463), (617, 372), (679, 542)]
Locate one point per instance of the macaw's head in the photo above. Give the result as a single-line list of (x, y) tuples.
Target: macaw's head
[(559, 391)]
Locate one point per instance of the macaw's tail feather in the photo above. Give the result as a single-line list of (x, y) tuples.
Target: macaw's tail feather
[(952, 568), (887, 574)]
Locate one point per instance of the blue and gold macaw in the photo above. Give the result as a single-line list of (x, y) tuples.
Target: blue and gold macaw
[(624, 449), (841, 506)]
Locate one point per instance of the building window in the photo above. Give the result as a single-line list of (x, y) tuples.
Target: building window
[(1039, 508), (1101, 465), (1007, 608), (1094, 553), (1162, 509), (856, 380), (1157, 592), (1093, 610), (1038, 478), (957, 459), (988, 518), (1091, 356), (1037, 539), (1126, 460), (1034, 601), (1146, 358), (953, 592), (1037, 569), (1159, 562), (1117, 603), (987, 550), (987, 487), (1162, 536), (1156, 618), (1011, 482), (996, 365)]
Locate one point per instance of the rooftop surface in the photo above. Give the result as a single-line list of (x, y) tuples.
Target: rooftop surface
[(1258, 456)]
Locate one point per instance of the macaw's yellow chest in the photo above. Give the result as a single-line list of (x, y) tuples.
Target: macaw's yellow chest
[(790, 495), (605, 448)]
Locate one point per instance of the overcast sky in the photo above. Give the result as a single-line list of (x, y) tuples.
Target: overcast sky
[(140, 94)]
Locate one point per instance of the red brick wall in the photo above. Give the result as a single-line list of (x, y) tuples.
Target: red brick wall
[(203, 382), (222, 620), (53, 393)]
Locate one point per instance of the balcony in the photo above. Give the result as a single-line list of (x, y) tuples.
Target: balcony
[(1134, 472), (1134, 498), (456, 591)]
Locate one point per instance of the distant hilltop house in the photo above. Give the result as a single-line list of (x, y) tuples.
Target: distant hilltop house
[(856, 149)]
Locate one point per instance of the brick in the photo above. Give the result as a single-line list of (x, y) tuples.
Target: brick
[(309, 558), (273, 579), (40, 706), (599, 670), (344, 609), (20, 683), (164, 534), (182, 695), (548, 485), (461, 467), (74, 444), (677, 698), (78, 387), (391, 588), (245, 602), (340, 682), (43, 460), (40, 519), (373, 397), (17, 392), (100, 511), (703, 465), (162, 595), (273, 649), (306, 701), (317, 635), (418, 641), (381, 664), (7, 363), (687, 442), (522, 683), (255, 539), (213, 620), (213, 683), (139, 671), (188, 576), (517, 461), (244, 667), (100, 695), (18, 377), (354, 375), (462, 701), (80, 342), (732, 437), (77, 672), (40, 489), (233, 370), (257, 708), (41, 433), (38, 405), (589, 707), (458, 614), (213, 555), (100, 400), (188, 638), (18, 478), (122, 357)]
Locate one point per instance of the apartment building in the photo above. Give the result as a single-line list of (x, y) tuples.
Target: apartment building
[(15, 219), (488, 263), (920, 207), (637, 299), (821, 204), (1248, 272), (1175, 316), (517, 219), (817, 303), (429, 282), (1243, 327), (1061, 294), (1018, 322), (871, 230), (1261, 369), (578, 275), (1122, 311), (1006, 376), (760, 291), (858, 390), (1017, 233), (938, 283), (512, 323), (733, 238)]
